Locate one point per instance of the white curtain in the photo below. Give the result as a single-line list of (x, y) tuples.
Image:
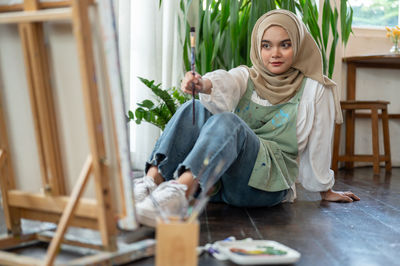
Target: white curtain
[(150, 48)]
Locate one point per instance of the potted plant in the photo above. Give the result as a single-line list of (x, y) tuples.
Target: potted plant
[(159, 110)]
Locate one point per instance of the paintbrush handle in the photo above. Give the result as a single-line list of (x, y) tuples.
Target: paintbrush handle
[(193, 86), (193, 45)]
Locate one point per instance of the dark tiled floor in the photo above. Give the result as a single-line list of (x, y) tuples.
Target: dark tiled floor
[(361, 233)]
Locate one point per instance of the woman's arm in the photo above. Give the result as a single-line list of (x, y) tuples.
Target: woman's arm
[(314, 132), (202, 85), (315, 127), (220, 90)]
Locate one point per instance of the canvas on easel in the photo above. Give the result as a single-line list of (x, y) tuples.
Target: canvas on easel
[(62, 156)]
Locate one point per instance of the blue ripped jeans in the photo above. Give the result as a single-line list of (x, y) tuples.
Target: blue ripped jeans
[(222, 141)]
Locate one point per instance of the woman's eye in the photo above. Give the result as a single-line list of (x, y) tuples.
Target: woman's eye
[(265, 45), (286, 45)]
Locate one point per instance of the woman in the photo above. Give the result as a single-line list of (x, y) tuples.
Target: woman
[(269, 125)]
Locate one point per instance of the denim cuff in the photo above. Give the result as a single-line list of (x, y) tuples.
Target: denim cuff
[(158, 160)]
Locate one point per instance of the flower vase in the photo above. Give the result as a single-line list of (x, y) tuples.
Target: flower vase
[(395, 49)]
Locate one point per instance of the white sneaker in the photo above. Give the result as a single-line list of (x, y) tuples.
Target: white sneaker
[(142, 187), (170, 198)]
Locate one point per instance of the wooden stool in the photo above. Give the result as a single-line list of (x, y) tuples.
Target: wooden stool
[(349, 157)]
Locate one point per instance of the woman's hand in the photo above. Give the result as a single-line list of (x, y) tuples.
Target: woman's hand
[(200, 85), (339, 196)]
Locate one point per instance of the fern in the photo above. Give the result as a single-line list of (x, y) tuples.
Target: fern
[(162, 94), (161, 110)]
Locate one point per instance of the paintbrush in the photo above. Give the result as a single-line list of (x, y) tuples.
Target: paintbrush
[(192, 46), (188, 210), (203, 197), (197, 209)]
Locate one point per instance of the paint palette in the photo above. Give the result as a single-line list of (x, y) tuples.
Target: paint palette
[(257, 252)]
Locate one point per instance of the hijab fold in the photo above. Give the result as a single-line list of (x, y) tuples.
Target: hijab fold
[(307, 61)]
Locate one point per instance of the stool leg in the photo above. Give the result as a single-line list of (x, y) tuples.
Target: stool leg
[(375, 139), (336, 146), (386, 140), (350, 121)]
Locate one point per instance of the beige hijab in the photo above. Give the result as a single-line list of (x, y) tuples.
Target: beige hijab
[(307, 61)]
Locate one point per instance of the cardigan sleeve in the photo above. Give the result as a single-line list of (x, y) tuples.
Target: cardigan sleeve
[(227, 89), (314, 131)]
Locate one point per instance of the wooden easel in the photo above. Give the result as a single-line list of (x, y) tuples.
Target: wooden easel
[(53, 205)]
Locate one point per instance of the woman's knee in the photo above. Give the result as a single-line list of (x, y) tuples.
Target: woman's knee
[(225, 119), (189, 105), (185, 111), (227, 124)]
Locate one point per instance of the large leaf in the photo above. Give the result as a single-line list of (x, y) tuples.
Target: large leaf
[(130, 115), (346, 19), (139, 113), (225, 6), (146, 104), (234, 32), (332, 57), (257, 9), (186, 48), (215, 48), (326, 19), (288, 5)]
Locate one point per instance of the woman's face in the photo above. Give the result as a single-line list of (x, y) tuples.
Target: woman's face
[(276, 50)]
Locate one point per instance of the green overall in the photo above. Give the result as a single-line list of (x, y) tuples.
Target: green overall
[(276, 167)]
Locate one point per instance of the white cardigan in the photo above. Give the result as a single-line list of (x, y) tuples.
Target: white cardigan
[(315, 122)]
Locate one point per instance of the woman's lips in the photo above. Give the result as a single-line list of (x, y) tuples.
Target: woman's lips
[(276, 63)]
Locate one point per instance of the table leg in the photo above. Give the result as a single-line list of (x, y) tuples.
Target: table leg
[(350, 114), (375, 140)]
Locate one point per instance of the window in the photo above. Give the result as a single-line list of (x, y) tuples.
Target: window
[(375, 13)]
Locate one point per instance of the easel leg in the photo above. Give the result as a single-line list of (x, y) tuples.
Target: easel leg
[(2, 158), (81, 26), (12, 215), (69, 210)]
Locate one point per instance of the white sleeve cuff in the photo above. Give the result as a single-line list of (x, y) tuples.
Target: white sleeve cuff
[(227, 89)]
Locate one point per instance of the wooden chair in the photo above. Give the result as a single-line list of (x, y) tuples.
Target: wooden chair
[(349, 157)]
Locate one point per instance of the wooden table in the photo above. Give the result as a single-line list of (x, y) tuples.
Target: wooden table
[(371, 61), (367, 61)]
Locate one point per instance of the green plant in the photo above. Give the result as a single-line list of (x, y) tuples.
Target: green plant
[(159, 111), (223, 36), (224, 30), (328, 28)]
